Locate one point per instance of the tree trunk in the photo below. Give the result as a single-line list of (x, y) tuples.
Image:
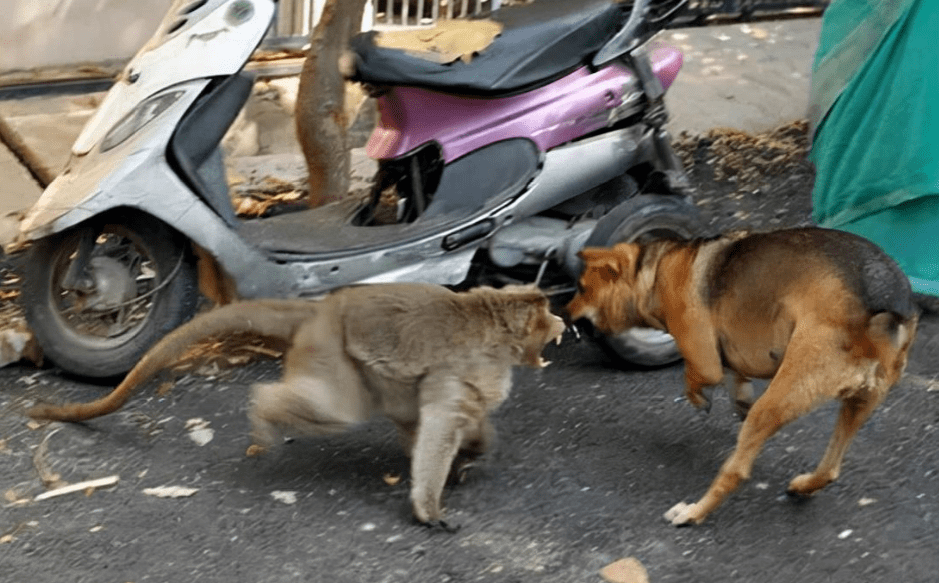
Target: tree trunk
[(321, 117)]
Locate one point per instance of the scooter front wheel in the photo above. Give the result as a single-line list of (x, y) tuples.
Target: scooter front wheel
[(645, 217), (99, 295)]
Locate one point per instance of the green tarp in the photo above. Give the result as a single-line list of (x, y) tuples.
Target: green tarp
[(874, 110)]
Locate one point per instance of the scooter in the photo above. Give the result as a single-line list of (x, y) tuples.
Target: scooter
[(550, 139)]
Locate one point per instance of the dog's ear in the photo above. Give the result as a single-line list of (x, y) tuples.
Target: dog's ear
[(627, 255), (604, 261)]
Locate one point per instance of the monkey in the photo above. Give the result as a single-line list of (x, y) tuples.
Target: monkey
[(434, 361)]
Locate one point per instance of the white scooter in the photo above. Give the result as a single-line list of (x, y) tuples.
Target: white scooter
[(545, 150)]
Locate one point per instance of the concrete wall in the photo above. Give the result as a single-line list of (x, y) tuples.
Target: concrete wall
[(35, 33)]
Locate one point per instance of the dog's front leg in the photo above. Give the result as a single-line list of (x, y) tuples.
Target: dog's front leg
[(697, 343)]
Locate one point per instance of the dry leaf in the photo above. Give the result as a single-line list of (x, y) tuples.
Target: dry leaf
[(284, 496), (170, 491), (628, 570), (391, 479)]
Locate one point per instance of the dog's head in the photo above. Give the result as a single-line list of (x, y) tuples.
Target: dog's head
[(606, 290)]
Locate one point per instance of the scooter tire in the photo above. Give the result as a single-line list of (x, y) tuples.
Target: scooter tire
[(645, 217), (159, 271)]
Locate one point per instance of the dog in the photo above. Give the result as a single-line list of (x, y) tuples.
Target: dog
[(825, 314), (436, 362)]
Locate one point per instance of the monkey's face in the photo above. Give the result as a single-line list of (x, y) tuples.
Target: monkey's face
[(543, 327), (531, 322)]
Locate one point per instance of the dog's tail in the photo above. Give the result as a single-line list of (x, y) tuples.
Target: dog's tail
[(274, 319), (891, 336)]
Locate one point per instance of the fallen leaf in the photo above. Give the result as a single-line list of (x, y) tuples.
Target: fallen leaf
[(628, 570), (866, 501), (758, 33), (7, 538), (199, 431), (391, 479), (284, 496), (33, 425), (254, 450), (170, 491)]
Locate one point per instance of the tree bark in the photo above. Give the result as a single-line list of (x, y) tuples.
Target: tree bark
[(321, 117)]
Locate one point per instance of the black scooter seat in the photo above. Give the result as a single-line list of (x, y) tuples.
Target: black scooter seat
[(539, 43)]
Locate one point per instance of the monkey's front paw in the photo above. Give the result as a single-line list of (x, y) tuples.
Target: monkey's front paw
[(683, 514)]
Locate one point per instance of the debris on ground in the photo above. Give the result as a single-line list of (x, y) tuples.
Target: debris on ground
[(51, 480), (284, 496), (747, 180), (199, 431), (170, 491), (209, 357), (87, 487), (628, 570), (748, 159)]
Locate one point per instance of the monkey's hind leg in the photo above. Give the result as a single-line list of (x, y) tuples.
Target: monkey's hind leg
[(303, 405)]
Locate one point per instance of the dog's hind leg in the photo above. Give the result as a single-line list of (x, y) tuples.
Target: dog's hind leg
[(790, 395), (854, 412), (740, 391)]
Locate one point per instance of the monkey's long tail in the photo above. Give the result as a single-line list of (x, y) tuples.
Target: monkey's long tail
[(276, 319)]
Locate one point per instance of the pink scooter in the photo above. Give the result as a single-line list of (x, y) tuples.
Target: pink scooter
[(551, 138)]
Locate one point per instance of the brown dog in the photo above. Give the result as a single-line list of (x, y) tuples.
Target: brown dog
[(434, 361), (825, 314)]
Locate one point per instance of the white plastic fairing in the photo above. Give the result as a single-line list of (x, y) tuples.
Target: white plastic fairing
[(196, 40)]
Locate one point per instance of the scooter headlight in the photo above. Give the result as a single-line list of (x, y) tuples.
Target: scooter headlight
[(144, 113)]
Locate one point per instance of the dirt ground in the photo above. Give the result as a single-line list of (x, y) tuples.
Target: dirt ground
[(589, 458)]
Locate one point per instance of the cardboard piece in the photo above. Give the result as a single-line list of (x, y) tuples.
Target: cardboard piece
[(445, 42)]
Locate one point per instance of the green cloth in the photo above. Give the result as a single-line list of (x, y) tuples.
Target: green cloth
[(874, 110)]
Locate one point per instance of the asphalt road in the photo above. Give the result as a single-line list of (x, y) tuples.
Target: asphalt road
[(588, 460)]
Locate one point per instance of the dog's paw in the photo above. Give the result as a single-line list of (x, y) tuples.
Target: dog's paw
[(804, 485), (699, 400), (742, 408), (683, 514)]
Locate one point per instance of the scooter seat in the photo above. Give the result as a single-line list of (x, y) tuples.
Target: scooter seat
[(539, 43)]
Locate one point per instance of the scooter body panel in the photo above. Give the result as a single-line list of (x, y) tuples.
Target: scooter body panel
[(213, 40), (571, 107)]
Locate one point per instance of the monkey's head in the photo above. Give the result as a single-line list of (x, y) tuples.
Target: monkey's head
[(527, 315), (607, 293)]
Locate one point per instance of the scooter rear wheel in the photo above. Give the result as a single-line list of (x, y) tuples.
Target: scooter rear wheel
[(139, 283), (645, 217)]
